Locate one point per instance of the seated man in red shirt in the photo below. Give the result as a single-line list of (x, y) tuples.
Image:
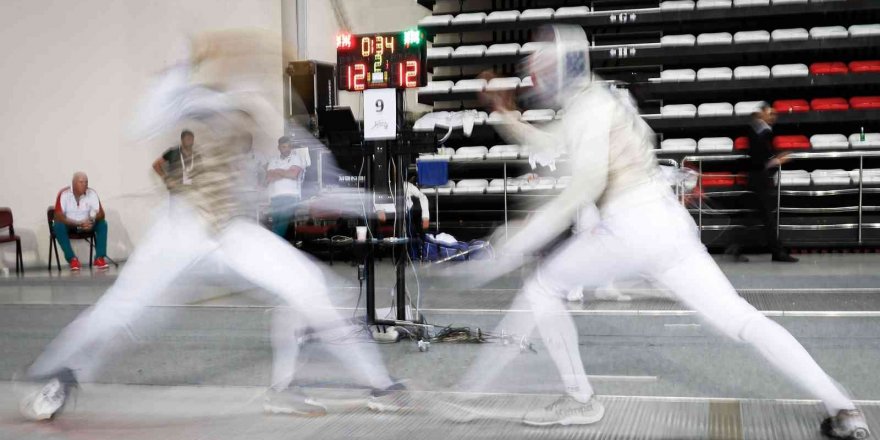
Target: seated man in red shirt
[(78, 209)]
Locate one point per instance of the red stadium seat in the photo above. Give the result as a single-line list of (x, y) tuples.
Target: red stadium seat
[(833, 68), (741, 143), (865, 102), (742, 179), (872, 66), (829, 104), (791, 105), (791, 142), (718, 180)]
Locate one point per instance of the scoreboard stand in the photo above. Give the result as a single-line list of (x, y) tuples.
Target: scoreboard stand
[(381, 67)]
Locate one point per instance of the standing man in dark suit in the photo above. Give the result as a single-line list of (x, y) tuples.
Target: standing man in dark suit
[(762, 167)]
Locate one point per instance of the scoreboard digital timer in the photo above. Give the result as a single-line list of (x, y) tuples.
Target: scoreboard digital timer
[(381, 61)]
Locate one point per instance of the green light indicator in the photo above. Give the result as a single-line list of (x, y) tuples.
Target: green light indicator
[(412, 37)]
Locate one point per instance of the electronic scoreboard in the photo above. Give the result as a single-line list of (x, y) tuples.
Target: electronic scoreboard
[(381, 61)]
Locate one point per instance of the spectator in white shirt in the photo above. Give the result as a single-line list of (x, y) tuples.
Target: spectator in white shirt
[(78, 209), (284, 178)]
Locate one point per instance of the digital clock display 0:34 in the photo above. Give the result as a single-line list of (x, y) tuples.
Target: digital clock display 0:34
[(380, 61)]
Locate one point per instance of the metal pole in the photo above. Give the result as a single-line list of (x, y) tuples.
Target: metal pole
[(400, 208), (370, 266), (505, 200), (861, 183), (437, 210), (778, 199), (700, 206)]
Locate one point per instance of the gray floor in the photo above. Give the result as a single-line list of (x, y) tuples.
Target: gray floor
[(661, 372)]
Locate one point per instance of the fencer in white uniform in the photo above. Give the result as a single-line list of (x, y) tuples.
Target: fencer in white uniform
[(212, 221), (643, 231)]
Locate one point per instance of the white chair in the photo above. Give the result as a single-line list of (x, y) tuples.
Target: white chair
[(745, 37), (502, 16), (792, 178), (481, 118), (443, 153), (830, 177), (496, 186), (829, 142), (436, 87), (562, 182), (747, 3), (751, 72), (445, 189), (677, 5), (532, 47), (745, 108), (469, 18), (679, 111), (869, 176), (436, 20), (715, 145), (864, 30), (571, 12), (503, 152), (538, 115), (872, 140), (711, 109), (470, 153), (824, 32), (685, 145), (536, 14), (503, 49), (470, 186), (495, 117), (544, 183), (678, 75), (678, 40), (439, 53), (425, 123), (526, 82), (795, 34), (713, 4), (789, 2), (789, 70), (469, 85), (496, 84), (714, 38), (469, 51), (714, 74)]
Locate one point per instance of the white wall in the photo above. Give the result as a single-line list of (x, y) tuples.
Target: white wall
[(72, 74)]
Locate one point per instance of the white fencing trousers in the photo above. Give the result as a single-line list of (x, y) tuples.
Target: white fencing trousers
[(658, 240), (177, 241)]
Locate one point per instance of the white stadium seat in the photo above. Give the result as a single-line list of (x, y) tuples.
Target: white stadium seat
[(439, 53), (469, 18), (572, 11), (436, 87), (747, 3), (710, 109), (679, 111), (795, 34), (536, 14), (503, 49), (502, 16), (745, 108), (685, 145), (872, 140), (470, 153), (677, 5), (714, 38), (870, 176), (830, 177), (715, 145), (504, 152), (496, 84), (793, 178), (745, 37), (714, 74), (713, 4), (436, 20), (822, 32), (678, 75), (751, 72), (678, 40), (829, 142), (470, 186), (789, 70), (864, 30), (469, 51), (538, 115), (469, 85), (495, 117)]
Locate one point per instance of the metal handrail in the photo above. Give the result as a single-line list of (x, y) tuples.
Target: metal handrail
[(828, 155)]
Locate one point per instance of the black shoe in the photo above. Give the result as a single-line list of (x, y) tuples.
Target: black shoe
[(48, 402), (785, 258)]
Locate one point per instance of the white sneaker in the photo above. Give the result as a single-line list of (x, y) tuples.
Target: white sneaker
[(293, 402), (846, 424), (566, 411), (51, 398)]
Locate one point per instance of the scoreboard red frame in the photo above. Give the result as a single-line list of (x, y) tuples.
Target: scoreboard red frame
[(381, 61)]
